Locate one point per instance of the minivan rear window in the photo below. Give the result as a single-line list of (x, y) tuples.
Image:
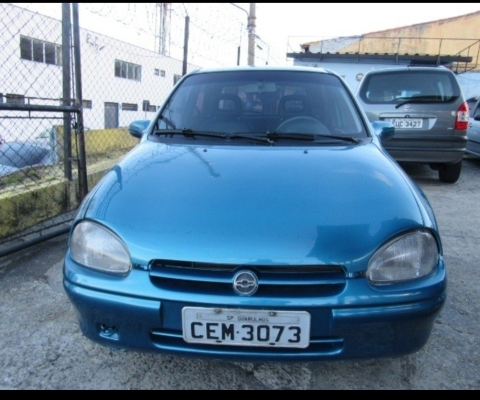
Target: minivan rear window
[(393, 87)]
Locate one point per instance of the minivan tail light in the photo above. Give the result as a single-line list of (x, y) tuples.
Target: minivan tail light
[(461, 122)]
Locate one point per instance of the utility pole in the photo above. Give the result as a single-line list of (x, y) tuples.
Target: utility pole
[(185, 44), (251, 35), (163, 31), (251, 17)]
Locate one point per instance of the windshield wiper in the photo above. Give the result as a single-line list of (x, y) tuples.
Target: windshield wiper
[(252, 137), (293, 136), (309, 136), (419, 99), (190, 133)]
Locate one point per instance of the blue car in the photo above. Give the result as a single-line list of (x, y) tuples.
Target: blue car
[(258, 219), (17, 155)]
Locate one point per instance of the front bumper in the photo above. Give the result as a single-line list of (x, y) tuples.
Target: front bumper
[(359, 323)]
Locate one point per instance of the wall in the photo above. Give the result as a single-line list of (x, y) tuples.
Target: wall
[(24, 206), (461, 32)]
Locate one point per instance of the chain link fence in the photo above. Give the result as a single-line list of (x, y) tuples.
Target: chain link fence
[(73, 77)]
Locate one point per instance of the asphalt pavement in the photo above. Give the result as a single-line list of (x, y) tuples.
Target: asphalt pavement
[(41, 346)]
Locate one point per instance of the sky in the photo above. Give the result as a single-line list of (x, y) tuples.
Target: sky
[(282, 23), (280, 27)]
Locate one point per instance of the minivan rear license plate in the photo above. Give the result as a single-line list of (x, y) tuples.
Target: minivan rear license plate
[(237, 327), (406, 123)]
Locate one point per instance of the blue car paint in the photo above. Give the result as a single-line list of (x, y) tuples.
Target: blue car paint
[(389, 329), (237, 214), (314, 231)]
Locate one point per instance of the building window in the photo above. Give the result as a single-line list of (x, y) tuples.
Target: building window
[(159, 72), (146, 106), (128, 70), (15, 98), (40, 51), (87, 104), (129, 107), (176, 78)]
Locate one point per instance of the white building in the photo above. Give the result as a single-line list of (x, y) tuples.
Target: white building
[(120, 82)]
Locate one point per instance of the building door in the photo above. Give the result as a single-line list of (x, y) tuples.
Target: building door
[(111, 115)]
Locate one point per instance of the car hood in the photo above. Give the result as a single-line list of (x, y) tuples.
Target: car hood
[(256, 205), (19, 155)]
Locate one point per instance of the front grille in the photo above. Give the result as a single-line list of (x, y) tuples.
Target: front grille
[(273, 280), (319, 347)]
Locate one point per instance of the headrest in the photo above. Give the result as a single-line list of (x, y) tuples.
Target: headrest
[(228, 103)]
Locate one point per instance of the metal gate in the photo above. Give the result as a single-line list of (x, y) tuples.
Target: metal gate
[(67, 96), (38, 130)]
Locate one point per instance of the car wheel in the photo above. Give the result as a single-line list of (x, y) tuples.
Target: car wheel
[(449, 173)]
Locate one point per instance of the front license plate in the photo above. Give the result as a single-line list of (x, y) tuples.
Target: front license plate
[(406, 123), (223, 326)]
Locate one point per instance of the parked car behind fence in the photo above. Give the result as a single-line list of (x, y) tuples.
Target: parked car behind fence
[(17, 155)]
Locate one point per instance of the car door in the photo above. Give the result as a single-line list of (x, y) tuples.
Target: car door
[(473, 133)]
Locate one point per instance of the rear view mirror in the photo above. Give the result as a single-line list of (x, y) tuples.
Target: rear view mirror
[(261, 87), (136, 128)]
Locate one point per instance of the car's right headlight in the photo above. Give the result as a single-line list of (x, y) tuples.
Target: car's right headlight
[(411, 256), (94, 246)]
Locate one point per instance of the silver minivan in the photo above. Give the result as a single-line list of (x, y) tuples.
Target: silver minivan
[(428, 109), (473, 144)]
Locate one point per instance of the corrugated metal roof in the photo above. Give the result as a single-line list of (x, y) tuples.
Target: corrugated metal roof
[(419, 58)]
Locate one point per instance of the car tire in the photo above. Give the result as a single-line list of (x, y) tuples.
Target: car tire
[(449, 173)]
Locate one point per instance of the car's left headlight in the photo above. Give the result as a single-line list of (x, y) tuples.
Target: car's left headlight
[(411, 256), (94, 246)]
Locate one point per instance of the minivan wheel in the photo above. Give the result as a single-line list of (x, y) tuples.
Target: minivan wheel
[(449, 173)]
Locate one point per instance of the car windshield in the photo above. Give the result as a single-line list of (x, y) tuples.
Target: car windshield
[(276, 105), (401, 87)]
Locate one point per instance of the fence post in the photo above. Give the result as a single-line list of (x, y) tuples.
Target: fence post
[(185, 45), (67, 133), (82, 163)]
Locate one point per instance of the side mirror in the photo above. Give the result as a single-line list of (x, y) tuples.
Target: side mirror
[(136, 128), (383, 129)]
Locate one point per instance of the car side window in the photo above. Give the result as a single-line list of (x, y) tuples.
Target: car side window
[(476, 110)]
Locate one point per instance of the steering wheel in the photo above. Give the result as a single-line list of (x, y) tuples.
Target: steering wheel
[(302, 124)]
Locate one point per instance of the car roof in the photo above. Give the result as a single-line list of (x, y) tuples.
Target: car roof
[(262, 68), (409, 68)]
